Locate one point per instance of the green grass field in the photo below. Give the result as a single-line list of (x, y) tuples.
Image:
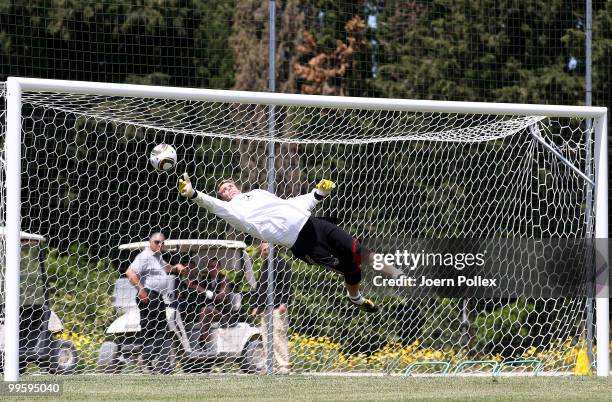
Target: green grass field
[(304, 388)]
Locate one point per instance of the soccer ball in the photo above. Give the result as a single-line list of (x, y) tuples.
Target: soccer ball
[(163, 157)]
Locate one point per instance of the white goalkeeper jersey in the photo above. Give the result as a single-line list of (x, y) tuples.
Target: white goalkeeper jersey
[(263, 215)]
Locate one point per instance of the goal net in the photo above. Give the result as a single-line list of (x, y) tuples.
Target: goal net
[(405, 175)]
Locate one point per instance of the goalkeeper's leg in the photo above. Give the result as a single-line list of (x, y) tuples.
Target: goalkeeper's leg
[(323, 243)]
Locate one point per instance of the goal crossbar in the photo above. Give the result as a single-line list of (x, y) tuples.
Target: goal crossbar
[(319, 101)]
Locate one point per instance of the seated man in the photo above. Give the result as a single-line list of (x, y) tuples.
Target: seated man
[(206, 299), (191, 295)]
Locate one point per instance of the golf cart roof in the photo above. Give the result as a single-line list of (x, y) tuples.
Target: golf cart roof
[(24, 235), (188, 245)]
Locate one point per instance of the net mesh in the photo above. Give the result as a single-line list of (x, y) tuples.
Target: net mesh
[(88, 187), (2, 188)]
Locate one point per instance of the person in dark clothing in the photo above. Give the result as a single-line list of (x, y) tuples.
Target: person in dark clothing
[(282, 294), (205, 299), (192, 294)]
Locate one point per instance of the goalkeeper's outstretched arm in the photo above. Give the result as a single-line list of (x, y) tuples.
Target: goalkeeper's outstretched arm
[(310, 200), (222, 209)]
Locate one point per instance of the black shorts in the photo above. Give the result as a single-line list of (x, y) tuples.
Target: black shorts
[(323, 243)]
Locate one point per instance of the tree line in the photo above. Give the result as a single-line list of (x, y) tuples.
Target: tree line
[(491, 50)]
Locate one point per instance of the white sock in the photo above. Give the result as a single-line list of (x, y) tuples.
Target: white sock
[(357, 299)]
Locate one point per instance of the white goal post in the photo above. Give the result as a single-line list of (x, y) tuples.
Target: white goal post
[(394, 114)]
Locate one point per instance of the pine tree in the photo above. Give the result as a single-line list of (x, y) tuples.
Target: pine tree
[(481, 51)]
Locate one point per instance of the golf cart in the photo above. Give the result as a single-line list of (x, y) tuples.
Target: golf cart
[(231, 339), (38, 324)]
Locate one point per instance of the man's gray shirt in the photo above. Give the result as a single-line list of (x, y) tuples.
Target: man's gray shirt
[(150, 268)]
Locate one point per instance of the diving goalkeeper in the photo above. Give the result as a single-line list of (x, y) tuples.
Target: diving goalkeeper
[(287, 222)]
